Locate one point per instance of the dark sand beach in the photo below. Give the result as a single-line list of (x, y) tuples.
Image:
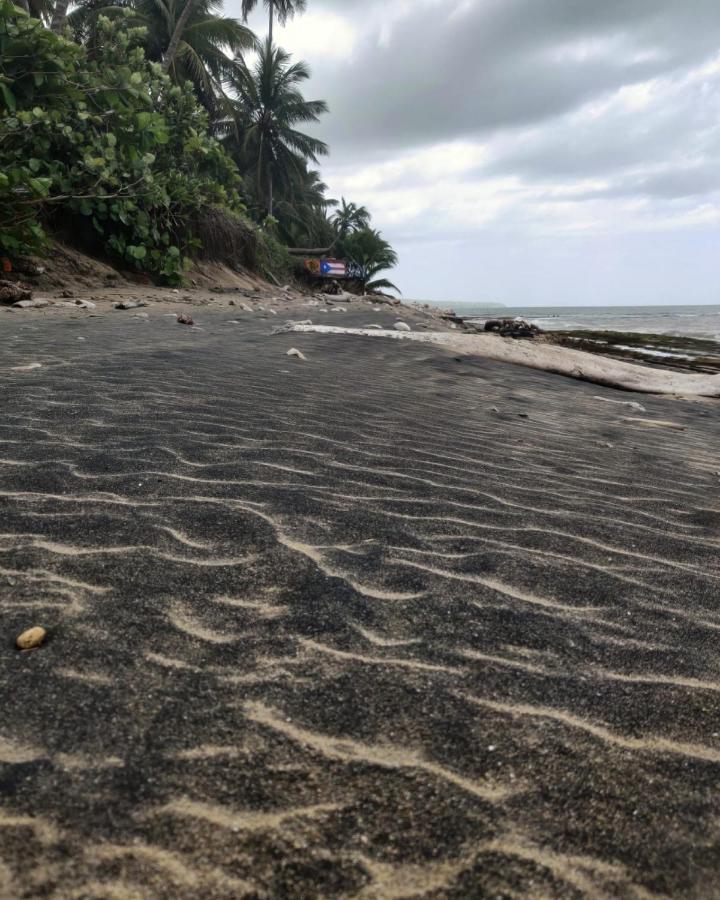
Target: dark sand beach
[(385, 623)]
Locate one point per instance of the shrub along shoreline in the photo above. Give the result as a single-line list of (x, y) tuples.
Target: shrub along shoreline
[(142, 166)]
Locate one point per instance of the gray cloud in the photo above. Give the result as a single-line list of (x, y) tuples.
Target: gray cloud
[(573, 181), (501, 64)]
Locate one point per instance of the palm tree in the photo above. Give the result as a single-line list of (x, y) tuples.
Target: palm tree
[(176, 36), (348, 218), (285, 9), (59, 15), (371, 254), (301, 210), (39, 9), (190, 37), (269, 105)]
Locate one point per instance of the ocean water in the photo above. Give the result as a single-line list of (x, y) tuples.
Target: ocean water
[(685, 321)]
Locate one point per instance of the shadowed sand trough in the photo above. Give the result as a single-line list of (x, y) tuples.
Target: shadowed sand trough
[(385, 623)]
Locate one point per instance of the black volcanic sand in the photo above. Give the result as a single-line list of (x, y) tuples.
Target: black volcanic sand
[(338, 628)]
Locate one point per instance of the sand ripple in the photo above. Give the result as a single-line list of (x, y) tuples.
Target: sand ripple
[(351, 632)]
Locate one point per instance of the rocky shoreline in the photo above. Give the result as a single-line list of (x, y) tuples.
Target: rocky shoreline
[(604, 358), (691, 354)]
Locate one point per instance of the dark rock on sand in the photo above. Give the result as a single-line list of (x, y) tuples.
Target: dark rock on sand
[(513, 328)]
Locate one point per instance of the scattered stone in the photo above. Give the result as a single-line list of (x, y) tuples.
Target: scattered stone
[(141, 316), (495, 409), (338, 309), (402, 326), (294, 352), (31, 304), (184, 319), (67, 294), (31, 638), (11, 293), (27, 368), (85, 304), (130, 304), (231, 303), (374, 326), (246, 307)]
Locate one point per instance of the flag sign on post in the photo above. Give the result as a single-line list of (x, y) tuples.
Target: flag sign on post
[(326, 268), (333, 268)]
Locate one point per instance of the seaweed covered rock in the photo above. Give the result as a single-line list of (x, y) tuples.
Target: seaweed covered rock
[(514, 328)]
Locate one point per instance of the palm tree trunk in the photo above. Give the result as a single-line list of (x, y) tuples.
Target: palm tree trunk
[(177, 34), (272, 16), (270, 193), (59, 16)]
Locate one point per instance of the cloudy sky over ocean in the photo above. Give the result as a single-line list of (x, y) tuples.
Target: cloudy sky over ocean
[(543, 152)]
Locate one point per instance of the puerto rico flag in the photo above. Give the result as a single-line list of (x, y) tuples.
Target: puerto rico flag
[(333, 268)]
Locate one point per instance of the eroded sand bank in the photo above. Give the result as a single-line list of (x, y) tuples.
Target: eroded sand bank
[(549, 358)]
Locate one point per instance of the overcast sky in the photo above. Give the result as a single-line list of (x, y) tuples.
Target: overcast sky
[(528, 152)]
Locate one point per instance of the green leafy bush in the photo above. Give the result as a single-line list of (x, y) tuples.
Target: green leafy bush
[(104, 135)]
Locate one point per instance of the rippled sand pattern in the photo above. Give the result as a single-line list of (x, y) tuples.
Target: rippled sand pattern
[(337, 628)]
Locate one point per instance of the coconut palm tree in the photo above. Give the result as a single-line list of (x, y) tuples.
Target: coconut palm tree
[(191, 38), (349, 217), (265, 142), (38, 9), (372, 254), (59, 15), (301, 210), (285, 9)]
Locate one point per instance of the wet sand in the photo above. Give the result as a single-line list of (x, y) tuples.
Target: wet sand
[(386, 623)]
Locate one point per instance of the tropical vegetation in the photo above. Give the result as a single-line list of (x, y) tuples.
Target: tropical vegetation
[(154, 131)]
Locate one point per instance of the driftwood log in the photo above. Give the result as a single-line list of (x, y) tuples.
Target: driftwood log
[(11, 292)]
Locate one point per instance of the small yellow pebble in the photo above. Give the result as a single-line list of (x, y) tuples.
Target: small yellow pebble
[(31, 638)]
